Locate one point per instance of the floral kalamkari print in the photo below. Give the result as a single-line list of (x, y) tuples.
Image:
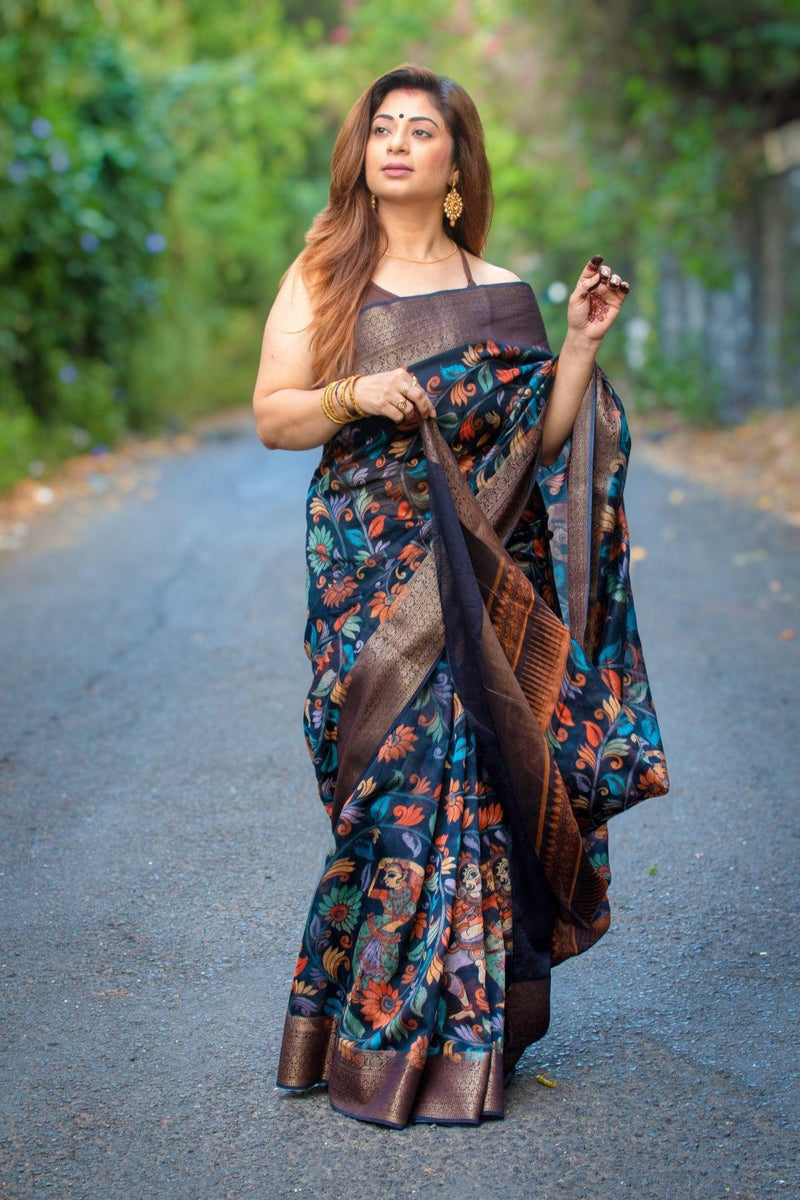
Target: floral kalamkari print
[(410, 928)]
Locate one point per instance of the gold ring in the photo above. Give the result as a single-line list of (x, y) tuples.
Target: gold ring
[(402, 405), (406, 388)]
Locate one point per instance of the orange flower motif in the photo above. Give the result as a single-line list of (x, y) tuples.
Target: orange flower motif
[(653, 777), (410, 554), (398, 743), (489, 814), (338, 591), (381, 605), (418, 1052), (375, 527), (381, 1002), (408, 814), (422, 785), (453, 805)]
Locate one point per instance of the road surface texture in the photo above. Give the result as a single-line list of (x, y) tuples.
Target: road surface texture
[(161, 836)]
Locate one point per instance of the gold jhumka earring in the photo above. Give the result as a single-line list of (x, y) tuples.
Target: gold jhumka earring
[(373, 202), (453, 205)]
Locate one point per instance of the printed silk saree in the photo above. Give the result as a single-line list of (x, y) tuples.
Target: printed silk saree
[(479, 709)]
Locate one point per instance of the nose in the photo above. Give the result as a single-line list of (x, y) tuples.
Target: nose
[(398, 142)]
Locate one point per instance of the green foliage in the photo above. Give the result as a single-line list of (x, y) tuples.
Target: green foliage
[(669, 107), (81, 199)]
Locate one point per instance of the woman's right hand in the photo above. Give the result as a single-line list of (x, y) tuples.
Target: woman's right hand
[(393, 394)]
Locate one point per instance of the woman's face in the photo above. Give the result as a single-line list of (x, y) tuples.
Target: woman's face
[(409, 153), (470, 881), (393, 877)]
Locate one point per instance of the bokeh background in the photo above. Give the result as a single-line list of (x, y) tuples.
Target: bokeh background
[(162, 160)]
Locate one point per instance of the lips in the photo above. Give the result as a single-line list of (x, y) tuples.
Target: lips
[(396, 169)]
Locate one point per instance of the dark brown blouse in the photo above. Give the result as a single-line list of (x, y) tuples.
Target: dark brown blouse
[(396, 331)]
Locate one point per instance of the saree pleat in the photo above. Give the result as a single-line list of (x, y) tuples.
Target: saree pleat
[(452, 720)]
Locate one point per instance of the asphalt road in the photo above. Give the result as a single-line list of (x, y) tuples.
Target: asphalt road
[(161, 833)]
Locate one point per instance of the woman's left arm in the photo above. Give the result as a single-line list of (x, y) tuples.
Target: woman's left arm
[(593, 308)]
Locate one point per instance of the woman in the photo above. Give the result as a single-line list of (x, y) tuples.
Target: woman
[(468, 746)]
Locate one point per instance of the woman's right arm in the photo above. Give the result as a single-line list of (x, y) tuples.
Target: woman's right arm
[(287, 406)]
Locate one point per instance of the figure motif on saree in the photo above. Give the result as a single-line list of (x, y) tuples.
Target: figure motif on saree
[(390, 906)]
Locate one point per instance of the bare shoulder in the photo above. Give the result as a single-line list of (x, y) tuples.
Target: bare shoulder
[(292, 307), (486, 272), (286, 348)]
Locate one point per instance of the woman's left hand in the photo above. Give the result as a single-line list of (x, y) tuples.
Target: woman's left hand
[(597, 300)]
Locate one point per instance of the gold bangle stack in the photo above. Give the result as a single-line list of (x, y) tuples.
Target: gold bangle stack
[(339, 402)]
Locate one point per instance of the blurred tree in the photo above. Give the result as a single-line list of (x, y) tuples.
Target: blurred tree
[(671, 97), (81, 199)]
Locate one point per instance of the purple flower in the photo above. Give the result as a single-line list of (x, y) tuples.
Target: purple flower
[(59, 161), (156, 243), (68, 374), (41, 127), (90, 242)]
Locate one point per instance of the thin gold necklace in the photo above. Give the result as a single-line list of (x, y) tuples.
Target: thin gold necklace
[(422, 262)]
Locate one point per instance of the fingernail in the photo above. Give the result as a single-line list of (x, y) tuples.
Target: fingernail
[(625, 287), (605, 272), (596, 260)]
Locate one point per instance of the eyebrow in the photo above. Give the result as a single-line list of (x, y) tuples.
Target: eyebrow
[(389, 117)]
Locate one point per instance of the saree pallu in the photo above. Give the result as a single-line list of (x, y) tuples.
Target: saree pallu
[(468, 749)]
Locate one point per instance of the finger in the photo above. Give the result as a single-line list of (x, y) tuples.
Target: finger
[(625, 287), (417, 395), (421, 401), (605, 273), (615, 281), (592, 265), (591, 283)]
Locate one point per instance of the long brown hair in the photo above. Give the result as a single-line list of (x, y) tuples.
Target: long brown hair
[(346, 239)]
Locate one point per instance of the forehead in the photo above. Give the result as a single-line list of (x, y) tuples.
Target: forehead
[(410, 102)]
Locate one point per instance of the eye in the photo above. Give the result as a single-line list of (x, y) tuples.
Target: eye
[(379, 129), (420, 132)]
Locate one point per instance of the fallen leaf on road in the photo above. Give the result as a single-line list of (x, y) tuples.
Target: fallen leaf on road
[(546, 1082)]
